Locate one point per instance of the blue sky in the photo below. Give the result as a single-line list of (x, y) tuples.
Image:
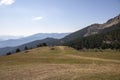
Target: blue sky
[(27, 17)]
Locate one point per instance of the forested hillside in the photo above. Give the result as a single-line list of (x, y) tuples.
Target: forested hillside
[(93, 29), (105, 40)]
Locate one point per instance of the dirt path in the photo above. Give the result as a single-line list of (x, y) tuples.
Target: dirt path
[(92, 58), (61, 48), (89, 58)]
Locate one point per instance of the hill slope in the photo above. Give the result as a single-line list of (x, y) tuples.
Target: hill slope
[(60, 63), (93, 29), (107, 39), (49, 41), (75, 37)]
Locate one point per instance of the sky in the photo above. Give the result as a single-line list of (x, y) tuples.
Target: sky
[(27, 17)]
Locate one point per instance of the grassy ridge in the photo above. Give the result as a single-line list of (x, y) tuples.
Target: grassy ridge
[(60, 63)]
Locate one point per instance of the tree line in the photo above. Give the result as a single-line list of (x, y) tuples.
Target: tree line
[(27, 48)]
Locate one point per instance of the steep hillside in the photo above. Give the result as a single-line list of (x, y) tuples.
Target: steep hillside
[(93, 29), (108, 39)]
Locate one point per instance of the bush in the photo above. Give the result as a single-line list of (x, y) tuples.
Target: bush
[(17, 50), (52, 48), (41, 45), (9, 53)]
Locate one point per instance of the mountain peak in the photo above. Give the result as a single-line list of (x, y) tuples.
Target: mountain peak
[(95, 28), (112, 21)]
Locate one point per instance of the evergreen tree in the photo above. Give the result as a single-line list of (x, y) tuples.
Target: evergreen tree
[(26, 48)]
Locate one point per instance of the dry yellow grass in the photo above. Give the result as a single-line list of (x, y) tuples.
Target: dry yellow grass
[(63, 63)]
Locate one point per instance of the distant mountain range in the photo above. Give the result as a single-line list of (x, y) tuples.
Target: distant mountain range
[(5, 37), (85, 34), (1, 40), (39, 36), (30, 45)]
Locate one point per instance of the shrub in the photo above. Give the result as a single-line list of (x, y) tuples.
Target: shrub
[(9, 53), (17, 50)]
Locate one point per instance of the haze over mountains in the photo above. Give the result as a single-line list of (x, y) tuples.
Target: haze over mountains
[(93, 29), (12, 41), (5, 37)]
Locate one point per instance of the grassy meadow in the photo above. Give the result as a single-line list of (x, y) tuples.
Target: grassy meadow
[(61, 63)]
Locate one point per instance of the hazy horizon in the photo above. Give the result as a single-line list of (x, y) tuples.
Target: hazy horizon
[(21, 36), (24, 18)]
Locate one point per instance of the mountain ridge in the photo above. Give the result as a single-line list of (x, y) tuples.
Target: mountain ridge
[(109, 39), (92, 29), (24, 40), (73, 36)]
